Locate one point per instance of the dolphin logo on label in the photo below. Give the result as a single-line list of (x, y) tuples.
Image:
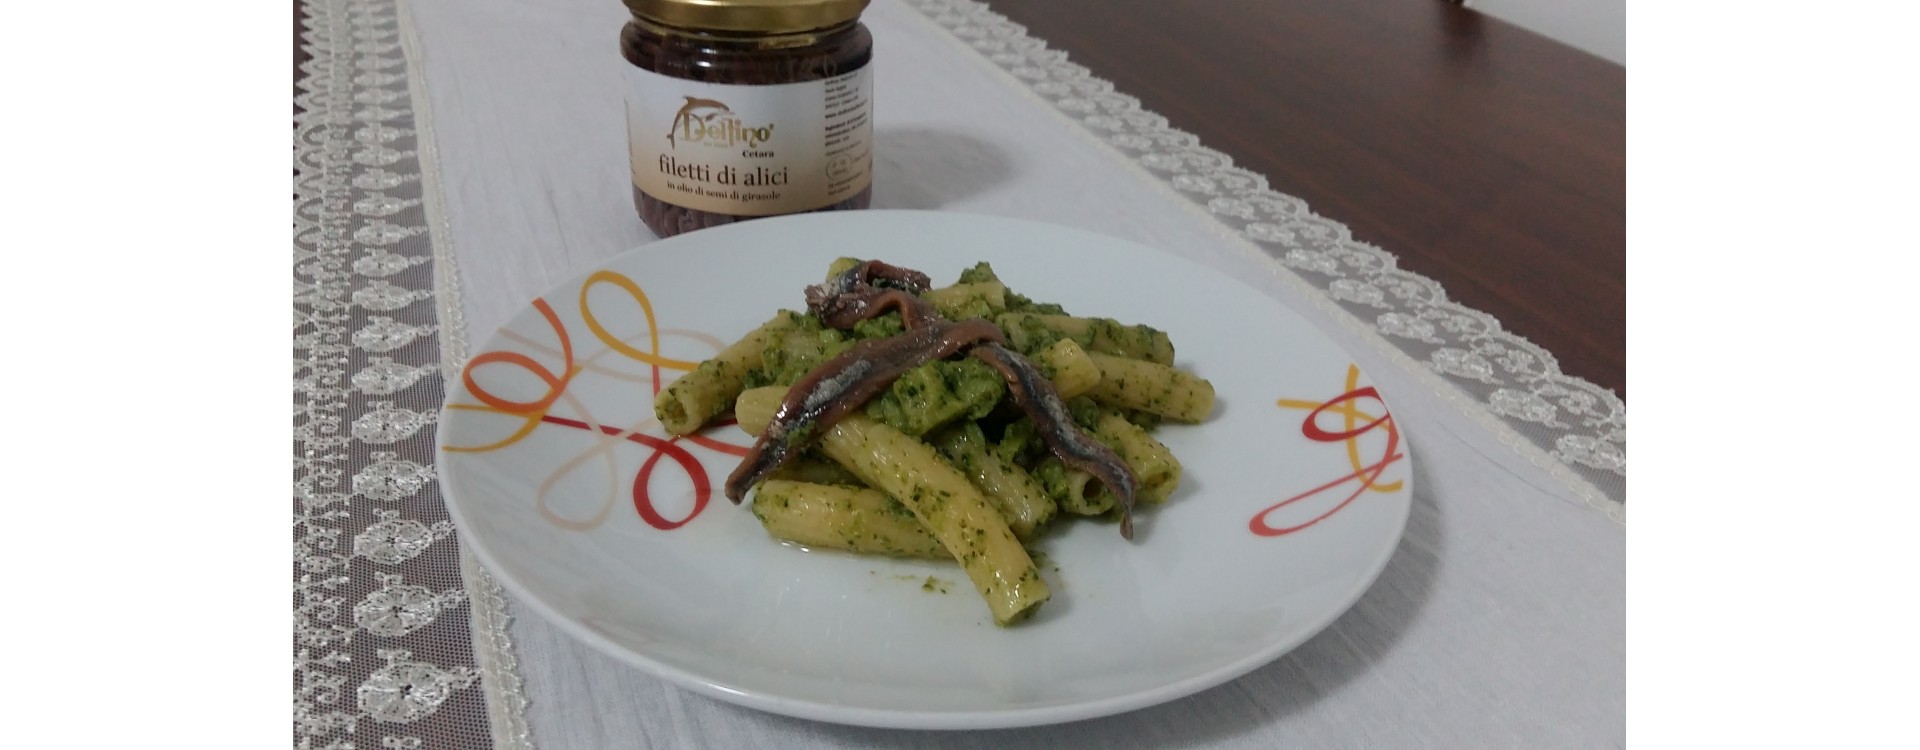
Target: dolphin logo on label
[(696, 109)]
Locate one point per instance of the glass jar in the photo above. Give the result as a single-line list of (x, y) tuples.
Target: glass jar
[(739, 109)]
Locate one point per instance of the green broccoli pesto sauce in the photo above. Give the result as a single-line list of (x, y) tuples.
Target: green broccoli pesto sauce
[(1029, 336), (972, 307), (790, 355), (1110, 336), (1020, 443), (879, 327), (1145, 420), (937, 393), (980, 272), (1085, 412), (1016, 302), (1052, 476)]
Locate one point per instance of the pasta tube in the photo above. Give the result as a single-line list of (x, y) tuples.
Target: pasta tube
[(1074, 371), (1073, 490), (698, 396), (1102, 335), (1157, 389), (816, 471), (977, 300), (1021, 501), (946, 503), (948, 506), (843, 518), (1154, 466), (936, 393), (755, 407)]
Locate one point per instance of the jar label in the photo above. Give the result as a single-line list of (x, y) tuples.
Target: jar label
[(751, 150)]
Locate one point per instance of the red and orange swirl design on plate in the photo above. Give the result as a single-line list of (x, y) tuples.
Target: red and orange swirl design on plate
[(1354, 423), (556, 377), (1294, 494)]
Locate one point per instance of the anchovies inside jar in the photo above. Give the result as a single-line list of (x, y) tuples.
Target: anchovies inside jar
[(739, 109)]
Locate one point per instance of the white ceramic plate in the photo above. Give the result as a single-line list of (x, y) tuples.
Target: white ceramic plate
[(631, 547)]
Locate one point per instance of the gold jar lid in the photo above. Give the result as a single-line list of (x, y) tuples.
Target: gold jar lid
[(769, 16)]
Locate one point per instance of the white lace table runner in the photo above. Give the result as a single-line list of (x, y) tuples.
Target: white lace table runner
[(1498, 623), (383, 655)]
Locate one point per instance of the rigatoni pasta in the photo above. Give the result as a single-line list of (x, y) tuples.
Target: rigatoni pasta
[(948, 506), (980, 299), (854, 519), (1020, 499), (894, 419), (1071, 490), (1102, 335), (1073, 370), (1151, 461), (1146, 386), (710, 388)]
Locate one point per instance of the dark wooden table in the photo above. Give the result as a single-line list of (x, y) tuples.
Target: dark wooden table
[(1486, 157)]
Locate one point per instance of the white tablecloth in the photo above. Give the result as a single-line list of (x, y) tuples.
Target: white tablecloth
[(1498, 623)]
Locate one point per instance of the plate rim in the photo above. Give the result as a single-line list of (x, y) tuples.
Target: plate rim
[(716, 688)]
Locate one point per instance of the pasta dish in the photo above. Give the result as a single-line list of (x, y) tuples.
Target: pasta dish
[(955, 423)]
